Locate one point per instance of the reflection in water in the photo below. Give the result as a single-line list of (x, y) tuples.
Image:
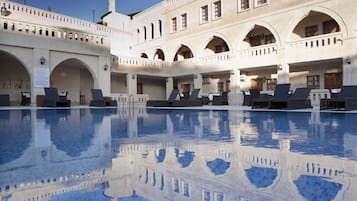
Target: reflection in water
[(13, 146), (127, 154), (261, 177)]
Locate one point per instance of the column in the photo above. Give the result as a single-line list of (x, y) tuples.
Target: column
[(283, 74), (104, 75), (235, 96), (169, 86), (197, 81), (131, 83), (349, 61), (41, 73)]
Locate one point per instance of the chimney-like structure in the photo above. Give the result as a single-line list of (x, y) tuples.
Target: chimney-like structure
[(111, 7)]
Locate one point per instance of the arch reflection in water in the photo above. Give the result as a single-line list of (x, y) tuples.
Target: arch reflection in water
[(15, 134), (242, 156)]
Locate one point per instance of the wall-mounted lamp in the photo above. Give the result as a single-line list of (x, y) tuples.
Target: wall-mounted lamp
[(348, 60), (105, 67), (280, 67), (4, 11), (133, 76), (231, 72), (42, 60), (195, 76)]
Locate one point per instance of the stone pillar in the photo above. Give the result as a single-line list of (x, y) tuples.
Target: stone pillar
[(283, 74), (349, 61), (235, 96), (197, 82), (104, 75), (169, 86), (131, 83), (41, 73), (349, 70)]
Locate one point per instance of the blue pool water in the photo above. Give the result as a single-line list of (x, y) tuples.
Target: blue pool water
[(139, 154)]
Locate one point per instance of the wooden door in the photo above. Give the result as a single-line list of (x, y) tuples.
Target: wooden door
[(333, 80)]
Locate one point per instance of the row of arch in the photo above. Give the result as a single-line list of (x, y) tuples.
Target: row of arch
[(260, 33)]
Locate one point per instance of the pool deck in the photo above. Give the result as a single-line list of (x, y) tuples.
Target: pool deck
[(205, 107)]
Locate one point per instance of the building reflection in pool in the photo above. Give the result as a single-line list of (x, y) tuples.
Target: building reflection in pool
[(139, 154)]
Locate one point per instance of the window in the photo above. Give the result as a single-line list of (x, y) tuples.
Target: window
[(144, 33), (176, 186), (184, 21), (204, 14), (152, 31), (217, 9), (219, 196), (206, 195), (313, 81), (160, 27), (186, 189), (174, 24), (311, 31), (243, 5), (260, 2)]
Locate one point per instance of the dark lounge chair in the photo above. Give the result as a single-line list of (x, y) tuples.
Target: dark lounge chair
[(221, 100), (250, 96), (100, 101), (4, 100), (300, 99), (346, 99), (192, 100), (52, 99), (25, 98), (281, 93), (164, 103)]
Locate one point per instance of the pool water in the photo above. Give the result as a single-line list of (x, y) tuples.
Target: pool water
[(139, 154)]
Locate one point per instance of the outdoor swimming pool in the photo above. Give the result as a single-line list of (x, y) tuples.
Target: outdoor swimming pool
[(141, 154)]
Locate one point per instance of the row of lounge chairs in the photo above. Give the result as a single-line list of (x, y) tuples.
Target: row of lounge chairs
[(53, 99), (189, 100), (281, 99)]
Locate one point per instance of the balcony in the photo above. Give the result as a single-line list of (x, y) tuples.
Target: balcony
[(327, 46), (263, 55), (143, 64), (215, 62)]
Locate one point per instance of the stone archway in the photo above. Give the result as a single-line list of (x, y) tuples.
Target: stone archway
[(14, 77), (184, 52), (72, 75)]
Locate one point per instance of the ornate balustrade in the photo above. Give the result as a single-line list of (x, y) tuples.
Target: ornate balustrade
[(325, 46)]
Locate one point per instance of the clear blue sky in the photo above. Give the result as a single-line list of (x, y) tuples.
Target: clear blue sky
[(83, 9)]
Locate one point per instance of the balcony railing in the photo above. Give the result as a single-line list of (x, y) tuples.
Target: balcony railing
[(14, 26), (48, 18), (147, 64), (262, 55), (218, 58), (315, 48)]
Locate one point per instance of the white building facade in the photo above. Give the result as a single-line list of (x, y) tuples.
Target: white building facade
[(214, 45)]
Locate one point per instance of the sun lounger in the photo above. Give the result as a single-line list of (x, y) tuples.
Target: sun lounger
[(346, 99), (4, 100), (52, 99), (300, 99), (164, 103), (192, 100), (100, 101), (221, 100), (281, 93)]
